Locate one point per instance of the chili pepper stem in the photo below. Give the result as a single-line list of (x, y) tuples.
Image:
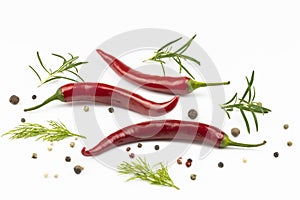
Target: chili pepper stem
[(192, 84), (57, 96), (227, 142)]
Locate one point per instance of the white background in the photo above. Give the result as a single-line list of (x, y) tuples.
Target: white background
[(239, 36)]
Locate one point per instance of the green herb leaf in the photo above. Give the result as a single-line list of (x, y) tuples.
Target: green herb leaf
[(143, 171), (68, 66), (246, 103), (165, 52), (57, 132)]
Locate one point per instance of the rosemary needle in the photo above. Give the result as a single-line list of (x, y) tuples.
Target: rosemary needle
[(68, 66), (57, 132), (143, 171)]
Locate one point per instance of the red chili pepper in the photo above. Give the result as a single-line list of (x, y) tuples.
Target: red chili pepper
[(166, 130), (166, 84), (110, 95)]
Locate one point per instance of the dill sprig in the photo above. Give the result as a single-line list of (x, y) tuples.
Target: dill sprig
[(142, 170), (165, 52), (68, 66), (246, 103), (57, 132)]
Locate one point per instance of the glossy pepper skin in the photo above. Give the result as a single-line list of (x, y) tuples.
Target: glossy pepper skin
[(177, 130), (166, 84), (110, 95)]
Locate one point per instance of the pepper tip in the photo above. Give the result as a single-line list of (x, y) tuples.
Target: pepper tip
[(85, 152)]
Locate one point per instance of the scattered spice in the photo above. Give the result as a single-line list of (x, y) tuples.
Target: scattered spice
[(49, 148), (128, 149), (33, 97), (139, 145), (179, 161), (156, 147), (72, 144), (46, 175), (275, 154), (111, 109), (34, 156), (131, 155), (14, 99), (23, 120), (192, 114), (189, 160), (68, 159), (86, 108), (51, 143), (235, 132), (55, 175), (289, 143), (193, 176), (78, 169), (188, 164), (244, 160), (285, 126), (220, 165)]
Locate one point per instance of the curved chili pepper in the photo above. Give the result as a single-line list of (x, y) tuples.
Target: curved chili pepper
[(166, 130), (110, 95), (165, 84)]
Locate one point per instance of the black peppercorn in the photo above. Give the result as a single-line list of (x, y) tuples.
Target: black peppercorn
[(156, 147), (78, 169), (33, 96), (68, 159), (276, 154), (139, 145), (220, 165), (23, 120), (111, 109), (128, 149)]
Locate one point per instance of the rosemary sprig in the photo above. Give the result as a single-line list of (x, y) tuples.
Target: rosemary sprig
[(165, 52), (142, 170), (69, 66), (246, 103), (57, 132)]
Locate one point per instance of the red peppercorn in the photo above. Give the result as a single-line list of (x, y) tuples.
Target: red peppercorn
[(128, 149), (179, 161), (188, 164), (131, 155)]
